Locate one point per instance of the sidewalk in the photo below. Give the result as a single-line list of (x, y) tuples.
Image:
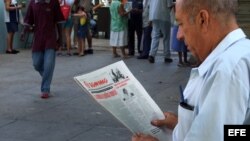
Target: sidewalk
[(70, 114)]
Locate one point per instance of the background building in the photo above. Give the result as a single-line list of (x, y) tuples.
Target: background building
[(243, 15)]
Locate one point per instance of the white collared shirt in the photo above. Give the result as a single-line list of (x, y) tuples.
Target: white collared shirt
[(219, 91)]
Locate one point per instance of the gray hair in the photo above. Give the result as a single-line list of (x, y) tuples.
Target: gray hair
[(221, 9)]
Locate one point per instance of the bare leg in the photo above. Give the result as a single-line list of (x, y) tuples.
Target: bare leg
[(124, 55), (115, 54), (68, 39), (89, 40), (180, 57), (75, 41), (80, 46), (83, 47), (10, 37), (185, 57)]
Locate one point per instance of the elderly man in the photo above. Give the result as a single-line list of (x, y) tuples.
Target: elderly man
[(44, 15), (218, 90)]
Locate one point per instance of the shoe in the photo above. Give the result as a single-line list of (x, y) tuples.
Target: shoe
[(75, 53), (10, 52), (116, 55), (142, 57), (131, 54), (181, 65), (81, 54), (68, 54), (15, 51), (45, 95), (168, 60), (151, 59), (88, 51), (126, 57), (59, 54)]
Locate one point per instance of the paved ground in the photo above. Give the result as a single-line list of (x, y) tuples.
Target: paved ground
[(72, 115)]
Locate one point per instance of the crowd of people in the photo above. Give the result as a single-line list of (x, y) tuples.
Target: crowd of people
[(142, 21), (218, 90)]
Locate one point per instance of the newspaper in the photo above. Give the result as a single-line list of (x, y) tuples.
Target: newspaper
[(116, 89)]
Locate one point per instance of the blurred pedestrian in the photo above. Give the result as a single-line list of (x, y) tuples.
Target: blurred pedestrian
[(179, 45), (147, 31), (66, 27), (44, 15), (12, 17), (135, 26), (161, 26), (119, 28), (82, 31)]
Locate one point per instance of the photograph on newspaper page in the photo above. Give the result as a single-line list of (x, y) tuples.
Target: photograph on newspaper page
[(116, 89)]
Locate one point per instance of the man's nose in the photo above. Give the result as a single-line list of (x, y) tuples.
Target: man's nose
[(180, 35)]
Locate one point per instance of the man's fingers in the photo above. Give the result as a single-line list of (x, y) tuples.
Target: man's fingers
[(142, 137), (159, 123)]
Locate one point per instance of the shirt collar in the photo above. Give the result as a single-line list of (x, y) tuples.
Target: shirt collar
[(226, 43), (46, 1)]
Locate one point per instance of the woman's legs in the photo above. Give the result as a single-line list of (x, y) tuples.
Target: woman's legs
[(10, 37), (68, 31)]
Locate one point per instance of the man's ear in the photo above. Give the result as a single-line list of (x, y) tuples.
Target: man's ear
[(203, 19)]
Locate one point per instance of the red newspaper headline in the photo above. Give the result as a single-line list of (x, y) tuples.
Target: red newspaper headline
[(106, 95), (96, 84)]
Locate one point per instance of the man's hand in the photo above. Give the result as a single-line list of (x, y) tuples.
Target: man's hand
[(143, 137), (170, 121)]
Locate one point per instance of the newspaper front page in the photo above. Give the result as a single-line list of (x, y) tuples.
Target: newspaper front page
[(120, 93)]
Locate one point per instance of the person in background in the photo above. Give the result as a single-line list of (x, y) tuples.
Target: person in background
[(161, 26), (118, 28), (66, 27), (147, 30), (82, 29), (44, 15), (87, 4), (75, 23), (12, 15), (178, 45), (135, 26), (93, 20), (217, 92)]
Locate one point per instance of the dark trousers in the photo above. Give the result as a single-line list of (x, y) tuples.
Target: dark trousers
[(146, 40), (134, 26)]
